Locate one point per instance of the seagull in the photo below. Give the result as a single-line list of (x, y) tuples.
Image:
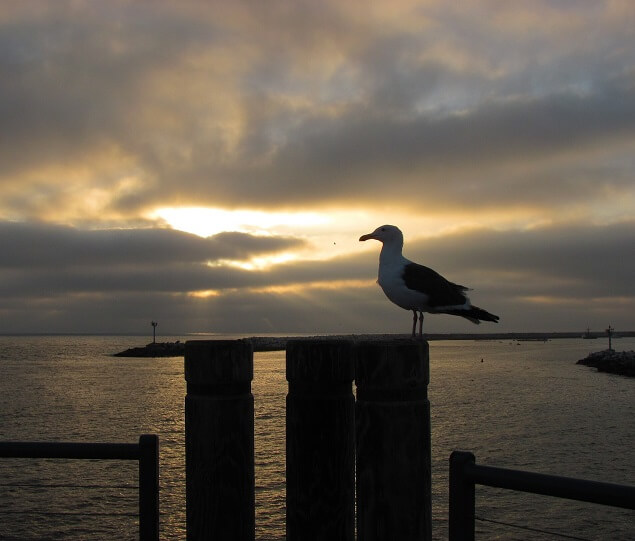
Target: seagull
[(415, 287)]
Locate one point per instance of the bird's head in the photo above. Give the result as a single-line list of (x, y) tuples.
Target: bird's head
[(388, 234)]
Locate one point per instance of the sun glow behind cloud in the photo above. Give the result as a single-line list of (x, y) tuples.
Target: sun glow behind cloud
[(205, 221), (329, 233), (335, 223), (258, 262), (302, 289)]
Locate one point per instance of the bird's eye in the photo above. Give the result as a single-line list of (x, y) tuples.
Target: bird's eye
[(383, 229)]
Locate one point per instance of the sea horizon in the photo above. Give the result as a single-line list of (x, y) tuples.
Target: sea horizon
[(283, 334)]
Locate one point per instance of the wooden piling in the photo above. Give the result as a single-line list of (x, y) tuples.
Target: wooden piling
[(320, 441), (219, 440), (393, 441)]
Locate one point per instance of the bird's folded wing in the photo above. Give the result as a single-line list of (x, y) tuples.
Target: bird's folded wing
[(440, 291)]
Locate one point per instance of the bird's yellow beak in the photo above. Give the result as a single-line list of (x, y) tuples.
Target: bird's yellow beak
[(366, 237)]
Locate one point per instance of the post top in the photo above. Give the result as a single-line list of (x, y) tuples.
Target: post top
[(390, 364), (320, 360), (212, 362)]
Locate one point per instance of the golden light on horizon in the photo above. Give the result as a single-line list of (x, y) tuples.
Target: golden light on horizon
[(204, 294), (258, 262), (328, 232), (303, 288), (329, 229), (609, 302)]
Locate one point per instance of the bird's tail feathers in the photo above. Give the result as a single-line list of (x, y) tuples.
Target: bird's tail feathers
[(460, 287), (474, 314)]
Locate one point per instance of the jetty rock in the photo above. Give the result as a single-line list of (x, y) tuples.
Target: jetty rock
[(614, 362), (155, 349)]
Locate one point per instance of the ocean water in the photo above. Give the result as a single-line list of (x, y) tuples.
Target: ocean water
[(523, 405)]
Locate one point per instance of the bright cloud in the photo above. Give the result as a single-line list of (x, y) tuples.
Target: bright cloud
[(210, 221)]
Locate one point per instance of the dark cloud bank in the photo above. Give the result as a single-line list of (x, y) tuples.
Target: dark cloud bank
[(60, 279)]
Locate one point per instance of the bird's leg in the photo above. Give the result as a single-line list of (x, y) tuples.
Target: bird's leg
[(421, 325), (414, 322)]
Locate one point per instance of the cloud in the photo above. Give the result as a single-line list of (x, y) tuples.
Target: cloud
[(40, 245), (312, 105), (53, 261), (563, 260), (441, 158)]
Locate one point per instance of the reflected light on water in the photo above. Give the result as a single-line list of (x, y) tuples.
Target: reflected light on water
[(524, 406)]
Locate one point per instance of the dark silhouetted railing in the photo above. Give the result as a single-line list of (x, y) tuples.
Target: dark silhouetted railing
[(146, 452), (465, 474)]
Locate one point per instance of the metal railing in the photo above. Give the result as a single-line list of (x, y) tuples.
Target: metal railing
[(146, 452), (465, 474)]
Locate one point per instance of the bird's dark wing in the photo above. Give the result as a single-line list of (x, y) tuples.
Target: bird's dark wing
[(440, 291)]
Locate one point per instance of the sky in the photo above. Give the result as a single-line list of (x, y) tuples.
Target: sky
[(211, 165)]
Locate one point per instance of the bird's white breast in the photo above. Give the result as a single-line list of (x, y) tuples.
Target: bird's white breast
[(390, 279)]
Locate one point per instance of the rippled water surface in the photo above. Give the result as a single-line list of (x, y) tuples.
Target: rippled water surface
[(523, 405)]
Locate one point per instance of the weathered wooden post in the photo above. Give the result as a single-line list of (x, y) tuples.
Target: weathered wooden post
[(393, 441), (320, 441), (219, 440)]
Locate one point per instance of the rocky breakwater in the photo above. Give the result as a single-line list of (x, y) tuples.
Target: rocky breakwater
[(615, 362), (155, 349)]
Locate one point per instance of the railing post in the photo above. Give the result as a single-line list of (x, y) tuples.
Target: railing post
[(149, 487), (462, 498), (393, 441), (320, 441), (219, 440)]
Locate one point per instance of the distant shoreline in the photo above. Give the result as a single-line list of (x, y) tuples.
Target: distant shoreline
[(279, 343), (432, 336)]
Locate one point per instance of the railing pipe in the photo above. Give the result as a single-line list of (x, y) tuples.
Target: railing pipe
[(219, 440), (553, 485), (393, 441), (146, 452), (320, 441), (465, 474)]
